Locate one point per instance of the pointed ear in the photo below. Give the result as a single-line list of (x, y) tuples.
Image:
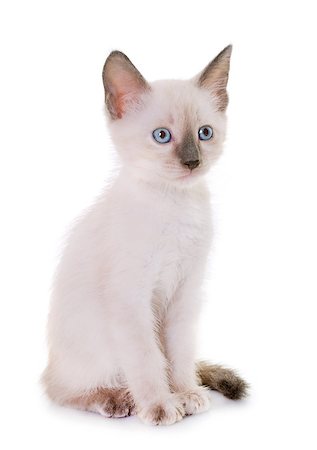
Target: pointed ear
[(123, 84), (215, 77)]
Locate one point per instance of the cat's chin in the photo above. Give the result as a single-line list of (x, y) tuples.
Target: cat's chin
[(187, 179)]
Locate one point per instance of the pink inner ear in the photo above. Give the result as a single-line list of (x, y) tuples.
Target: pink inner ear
[(123, 84), (124, 88), (119, 104), (121, 97)]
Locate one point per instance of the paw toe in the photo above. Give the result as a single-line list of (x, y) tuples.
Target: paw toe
[(163, 413), (196, 401)]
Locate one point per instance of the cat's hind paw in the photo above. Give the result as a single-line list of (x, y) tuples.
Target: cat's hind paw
[(106, 402), (119, 403)]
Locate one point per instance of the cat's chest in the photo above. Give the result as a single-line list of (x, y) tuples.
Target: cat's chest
[(183, 243), (182, 235), (164, 235)]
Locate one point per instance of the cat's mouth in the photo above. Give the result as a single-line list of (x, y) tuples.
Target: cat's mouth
[(190, 173), (182, 174), (186, 175)]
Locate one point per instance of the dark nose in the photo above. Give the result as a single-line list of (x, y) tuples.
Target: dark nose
[(192, 164)]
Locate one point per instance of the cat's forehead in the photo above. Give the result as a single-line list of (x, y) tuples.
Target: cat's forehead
[(180, 101)]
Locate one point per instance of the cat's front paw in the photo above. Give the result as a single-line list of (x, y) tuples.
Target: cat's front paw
[(164, 412), (196, 400)]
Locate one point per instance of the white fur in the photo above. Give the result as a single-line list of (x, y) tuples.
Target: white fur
[(133, 264)]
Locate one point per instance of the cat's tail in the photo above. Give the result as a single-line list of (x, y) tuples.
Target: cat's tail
[(225, 381)]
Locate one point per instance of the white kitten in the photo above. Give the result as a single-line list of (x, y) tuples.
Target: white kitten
[(126, 295)]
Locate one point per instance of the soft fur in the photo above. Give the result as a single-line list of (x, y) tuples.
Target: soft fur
[(126, 295)]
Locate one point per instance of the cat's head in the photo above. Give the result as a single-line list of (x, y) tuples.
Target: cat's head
[(171, 130)]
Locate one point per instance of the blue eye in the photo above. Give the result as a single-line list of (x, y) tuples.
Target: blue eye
[(162, 135), (205, 133)]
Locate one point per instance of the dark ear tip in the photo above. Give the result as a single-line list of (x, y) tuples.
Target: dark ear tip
[(227, 50), (117, 54)]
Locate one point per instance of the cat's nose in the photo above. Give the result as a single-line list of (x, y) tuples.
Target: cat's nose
[(192, 164)]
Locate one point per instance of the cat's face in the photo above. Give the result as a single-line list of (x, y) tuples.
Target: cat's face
[(167, 131)]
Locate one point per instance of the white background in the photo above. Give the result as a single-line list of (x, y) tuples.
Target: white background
[(259, 314)]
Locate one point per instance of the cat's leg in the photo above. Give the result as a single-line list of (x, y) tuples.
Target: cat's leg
[(179, 341), (140, 357)]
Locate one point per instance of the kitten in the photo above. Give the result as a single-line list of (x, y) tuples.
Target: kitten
[(126, 294)]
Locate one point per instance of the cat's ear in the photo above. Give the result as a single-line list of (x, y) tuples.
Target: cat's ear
[(123, 84), (215, 77)]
